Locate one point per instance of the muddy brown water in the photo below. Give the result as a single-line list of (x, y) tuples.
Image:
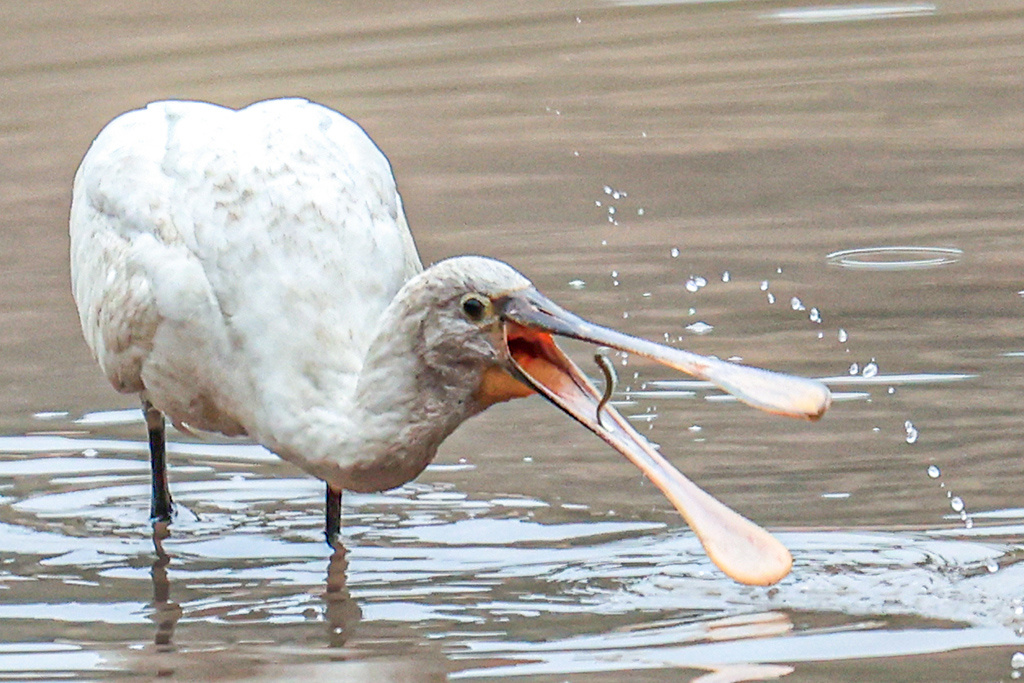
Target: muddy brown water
[(741, 146)]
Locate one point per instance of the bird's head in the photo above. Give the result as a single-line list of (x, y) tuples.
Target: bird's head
[(484, 330)]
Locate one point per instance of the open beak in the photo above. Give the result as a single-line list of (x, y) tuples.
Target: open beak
[(744, 551)]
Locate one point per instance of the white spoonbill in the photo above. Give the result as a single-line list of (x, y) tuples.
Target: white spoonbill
[(251, 272)]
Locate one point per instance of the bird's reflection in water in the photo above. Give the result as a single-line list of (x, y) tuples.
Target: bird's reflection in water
[(166, 612), (346, 657), (341, 611)]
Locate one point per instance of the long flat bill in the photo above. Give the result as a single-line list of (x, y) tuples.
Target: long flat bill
[(773, 392), (741, 549)]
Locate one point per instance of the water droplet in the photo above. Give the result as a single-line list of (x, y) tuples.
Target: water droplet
[(640, 211), (1017, 660), (870, 370), (699, 327), (796, 304), (646, 295), (771, 298), (692, 311), (854, 369), (778, 270), (674, 252), (934, 472), (911, 431), (611, 210), (615, 273), (527, 458), (607, 189), (957, 503), (615, 283), (625, 315), (892, 390), (821, 335), (90, 453), (604, 243), (694, 428), (764, 285), (597, 202), (691, 286), (726, 277), (843, 336), (616, 195), (968, 523), (577, 284), (815, 316), (992, 566)]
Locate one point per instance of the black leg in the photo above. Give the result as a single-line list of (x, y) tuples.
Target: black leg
[(160, 503), (332, 527)]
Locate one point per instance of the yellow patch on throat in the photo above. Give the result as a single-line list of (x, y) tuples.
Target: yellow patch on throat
[(497, 385)]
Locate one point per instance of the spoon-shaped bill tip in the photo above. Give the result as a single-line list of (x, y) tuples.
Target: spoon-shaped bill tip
[(773, 392)]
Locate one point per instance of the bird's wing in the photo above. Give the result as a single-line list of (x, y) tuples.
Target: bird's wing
[(235, 250)]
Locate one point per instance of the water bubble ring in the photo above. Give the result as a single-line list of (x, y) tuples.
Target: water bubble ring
[(894, 258)]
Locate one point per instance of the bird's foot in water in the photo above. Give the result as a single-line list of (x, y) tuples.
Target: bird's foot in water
[(335, 541), (160, 511), (176, 514)]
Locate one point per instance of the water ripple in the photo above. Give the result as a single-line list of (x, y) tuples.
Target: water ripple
[(894, 258)]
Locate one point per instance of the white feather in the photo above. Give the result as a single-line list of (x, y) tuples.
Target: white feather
[(251, 272), (231, 264)]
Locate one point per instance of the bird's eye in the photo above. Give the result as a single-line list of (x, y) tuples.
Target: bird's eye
[(475, 307)]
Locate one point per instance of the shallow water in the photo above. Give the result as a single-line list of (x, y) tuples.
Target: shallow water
[(763, 159)]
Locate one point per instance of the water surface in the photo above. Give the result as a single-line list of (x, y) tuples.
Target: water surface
[(742, 145)]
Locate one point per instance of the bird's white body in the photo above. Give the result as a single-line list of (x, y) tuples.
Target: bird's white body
[(251, 272), (234, 266)]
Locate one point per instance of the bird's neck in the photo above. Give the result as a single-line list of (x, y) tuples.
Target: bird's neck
[(388, 428), (405, 414)]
